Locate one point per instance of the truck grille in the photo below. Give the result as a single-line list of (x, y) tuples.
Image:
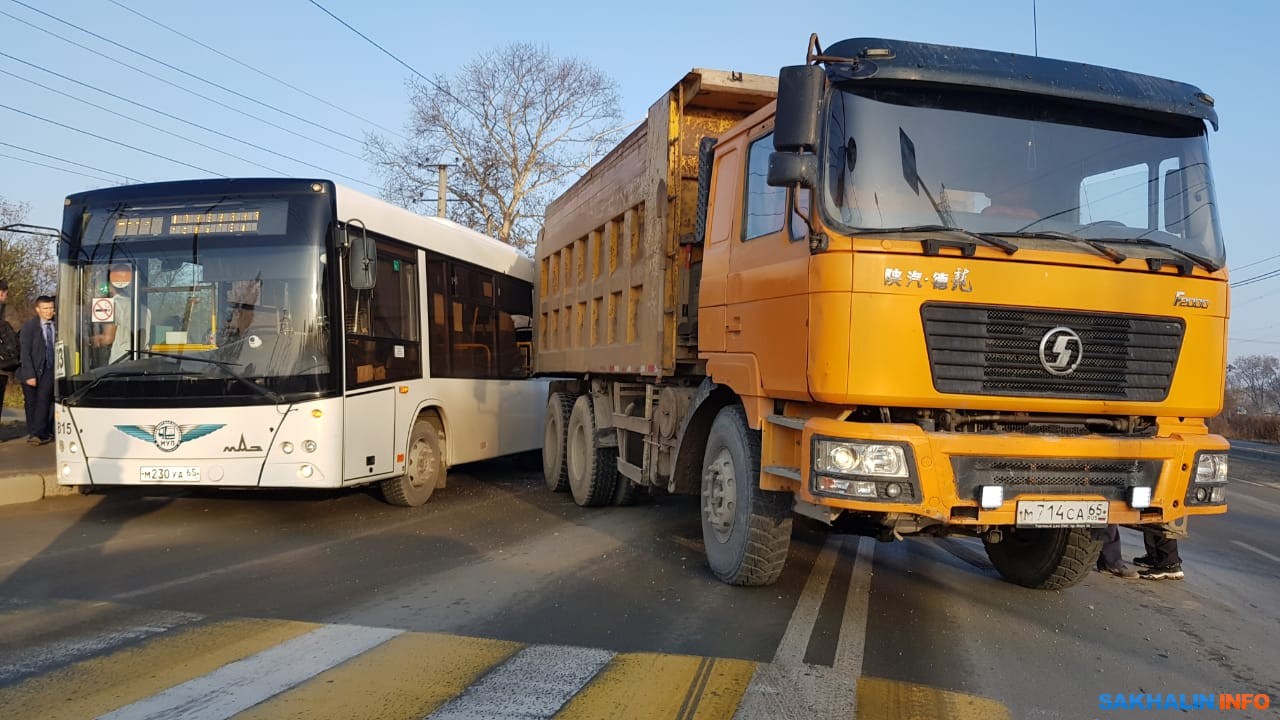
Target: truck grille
[(982, 350), (1059, 476)]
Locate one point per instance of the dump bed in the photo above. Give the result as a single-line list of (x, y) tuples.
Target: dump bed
[(613, 275)]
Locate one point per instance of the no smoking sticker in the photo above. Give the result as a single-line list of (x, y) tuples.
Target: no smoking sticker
[(104, 310)]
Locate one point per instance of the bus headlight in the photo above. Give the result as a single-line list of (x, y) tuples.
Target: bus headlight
[(73, 447), (309, 445), (286, 447), (306, 471)]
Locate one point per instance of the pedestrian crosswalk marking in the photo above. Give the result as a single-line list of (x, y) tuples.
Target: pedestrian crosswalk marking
[(534, 683), (651, 685)]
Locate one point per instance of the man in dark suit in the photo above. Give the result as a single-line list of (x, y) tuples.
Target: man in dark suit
[(36, 371)]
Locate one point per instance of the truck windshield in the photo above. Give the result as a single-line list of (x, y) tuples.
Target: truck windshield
[(998, 164), (196, 302)]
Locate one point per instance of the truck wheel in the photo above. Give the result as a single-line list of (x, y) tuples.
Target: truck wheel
[(1045, 558), (626, 493), (593, 469), (746, 530), (554, 468), (423, 471)]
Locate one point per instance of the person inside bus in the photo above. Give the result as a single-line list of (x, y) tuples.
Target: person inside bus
[(120, 334)]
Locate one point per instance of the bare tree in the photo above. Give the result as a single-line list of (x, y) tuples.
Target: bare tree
[(520, 123), (1255, 379), (28, 262)]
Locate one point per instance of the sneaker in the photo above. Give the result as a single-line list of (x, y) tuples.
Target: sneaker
[(1120, 571), (1164, 572), (33, 440), (1145, 561)]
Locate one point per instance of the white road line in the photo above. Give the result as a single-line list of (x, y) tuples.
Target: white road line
[(240, 685), (1248, 500), (534, 683), (1263, 553), (47, 656), (787, 689)]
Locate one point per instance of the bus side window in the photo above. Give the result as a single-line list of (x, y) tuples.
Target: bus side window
[(382, 323)]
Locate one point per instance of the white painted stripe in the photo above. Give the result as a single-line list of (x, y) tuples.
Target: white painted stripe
[(240, 685), (1263, 553), (1234, 497), (853, 626), (795, 640), (47, 656), (534, 683)]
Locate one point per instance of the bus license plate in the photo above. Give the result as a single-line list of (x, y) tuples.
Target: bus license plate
[(169, 473), (1062, 513)]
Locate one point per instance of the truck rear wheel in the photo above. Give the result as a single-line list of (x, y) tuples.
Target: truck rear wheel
[(423, 471), (1045, 558), (746, 530), (554, 468), (592, 468)]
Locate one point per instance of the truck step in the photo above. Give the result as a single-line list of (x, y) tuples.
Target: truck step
[(795, 423), (791, 473)]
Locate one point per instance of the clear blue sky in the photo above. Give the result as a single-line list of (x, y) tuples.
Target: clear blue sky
[(1224, 48)]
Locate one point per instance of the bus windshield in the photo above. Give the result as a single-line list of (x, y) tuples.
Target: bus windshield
[(196, 301), (1011, 166)]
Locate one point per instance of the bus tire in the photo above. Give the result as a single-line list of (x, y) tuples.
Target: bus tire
[(592, 468), (555, 470), (1045, 558), (423, 471), (746, 531)]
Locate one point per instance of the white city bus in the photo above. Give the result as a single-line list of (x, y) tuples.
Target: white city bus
[(285, 333)]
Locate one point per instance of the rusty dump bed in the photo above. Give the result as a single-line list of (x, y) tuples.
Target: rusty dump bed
[(612, 274)]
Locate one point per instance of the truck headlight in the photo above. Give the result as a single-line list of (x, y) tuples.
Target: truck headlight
[(858, 458), (1211, 468), (1208, 484)]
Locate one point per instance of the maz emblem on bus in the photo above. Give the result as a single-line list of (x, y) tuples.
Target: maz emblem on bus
[(242, 447), (167, 435)]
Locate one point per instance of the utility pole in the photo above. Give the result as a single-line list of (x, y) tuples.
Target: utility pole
[(441, 188)]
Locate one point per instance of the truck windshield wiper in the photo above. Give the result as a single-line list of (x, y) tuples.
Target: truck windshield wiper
[(225, 367), (1111, 253), (1155, 263), (931, 246)]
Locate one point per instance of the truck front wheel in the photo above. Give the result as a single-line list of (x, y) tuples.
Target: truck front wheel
[(1044, 558), (746, 530)]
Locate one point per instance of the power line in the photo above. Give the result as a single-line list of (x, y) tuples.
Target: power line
[(191, 75), (55, 167), (1259, 262), (71, 162), (117, 142), (187, 122), (265, 74), (1256, 278), (187, 90), (144, 123), (1252, 340)]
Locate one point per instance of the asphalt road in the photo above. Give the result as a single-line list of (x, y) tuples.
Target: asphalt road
[(500, 599)]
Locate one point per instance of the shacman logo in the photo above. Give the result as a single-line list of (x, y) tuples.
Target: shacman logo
[(1061, 351), (167, 435), (1184, 702)]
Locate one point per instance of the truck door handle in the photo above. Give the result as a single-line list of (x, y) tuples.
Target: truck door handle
[(734, 325)]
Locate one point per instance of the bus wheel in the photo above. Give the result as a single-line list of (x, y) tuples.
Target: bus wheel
[(1044, 558), (746, 530), (423, 471), (593, 469), (554, 468)]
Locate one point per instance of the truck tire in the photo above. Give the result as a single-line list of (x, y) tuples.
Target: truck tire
[(555, 471), (592, 468), (423, 470), (1045, 558), (626, 493), (746, 530)]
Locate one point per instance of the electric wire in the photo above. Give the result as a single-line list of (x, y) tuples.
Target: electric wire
[(191, 75), (145, 123), (55, 167), (1257, 262), (187, 122), (107, 139), (182, 88), (65, 160), (263, 73)]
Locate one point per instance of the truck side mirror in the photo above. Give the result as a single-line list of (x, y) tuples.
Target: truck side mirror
[(795, 125), (362, 257), (788, 168), (1175, 201)]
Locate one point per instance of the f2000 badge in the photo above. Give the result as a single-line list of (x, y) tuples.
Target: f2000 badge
[(167, 435), (1181, 299)]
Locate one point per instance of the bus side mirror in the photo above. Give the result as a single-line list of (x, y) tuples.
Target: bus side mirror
[(362, 257), (1175, 201)]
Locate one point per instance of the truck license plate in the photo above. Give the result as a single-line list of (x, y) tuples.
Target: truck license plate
[(169, 473), (1062, 513)]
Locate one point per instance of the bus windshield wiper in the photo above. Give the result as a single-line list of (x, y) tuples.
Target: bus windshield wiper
[(1155, 263), (225, 367), (1112, 254), (930, 246), (74, 398)]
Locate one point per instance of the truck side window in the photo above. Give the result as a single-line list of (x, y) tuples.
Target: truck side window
[(765, 207)]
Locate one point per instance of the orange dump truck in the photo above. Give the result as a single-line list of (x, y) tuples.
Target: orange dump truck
[(903, 289)]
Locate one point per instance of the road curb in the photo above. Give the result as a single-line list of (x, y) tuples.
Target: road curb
[(30, 487)]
